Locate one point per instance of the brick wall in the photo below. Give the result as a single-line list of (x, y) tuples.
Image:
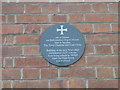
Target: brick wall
[(22, 63)]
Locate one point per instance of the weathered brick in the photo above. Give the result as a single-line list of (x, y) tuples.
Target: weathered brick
[(33, 9), (27, 39), (32, 18), (77, 73), (2, 62), (116, 49), (100, 7), (77, 84), (8, 62), (115, 27), (89, 49), (30, 62), (84, 27), (102, 60), (113, 7), (117, 74), (58, 84), (11, 50), (103, 83), (32, 28), (75, 8), (31, 73), (31, 50), (3, 19), (105, 72), (45, 26), (101, 18), (12, 29), (99, 1), (75, 0), (102, 38), (1, 51), (9, 39), (58, 18), (103, 49), (53, 73), (12, 8), (6, 84), (31, 84), (11, 19), (101, 28), (75, 18), (80, 62), (2, 39), (49, 8), (11, 73)]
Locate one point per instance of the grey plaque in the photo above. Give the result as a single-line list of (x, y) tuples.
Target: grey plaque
[(62, 44)]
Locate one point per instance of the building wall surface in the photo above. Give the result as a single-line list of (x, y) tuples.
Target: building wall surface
[(23, 65)]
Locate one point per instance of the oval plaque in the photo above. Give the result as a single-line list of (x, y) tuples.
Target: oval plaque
[(62, 44)]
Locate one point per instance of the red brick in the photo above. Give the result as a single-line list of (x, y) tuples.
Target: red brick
[(11, 50), (33, 9), (12, 8), (58, 84), (102, 60), (115, 27), (117, 74), (11, 73), (31, 50), (8, 62), (101, 18), (31, 73), (9, 39), (113, 8), (27, 39), (99, 1), (11, 18), (84, 27), (103, 83), (1, 54), (58, 18), (32, 28), (80, 62), (105, 72), (102, 38), (53, 73), (30, 62), (101, 28), (116, 49), (77, 84), (2, 61), (78, 73), (6, 84), (75, 8), (2, 39), (31, 84), (75, 18), (3, 18), (45, 26), (49, 8), (74, 0), (12, 29), (103, 49), (32, 18), (89, 49), (100, 7)]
